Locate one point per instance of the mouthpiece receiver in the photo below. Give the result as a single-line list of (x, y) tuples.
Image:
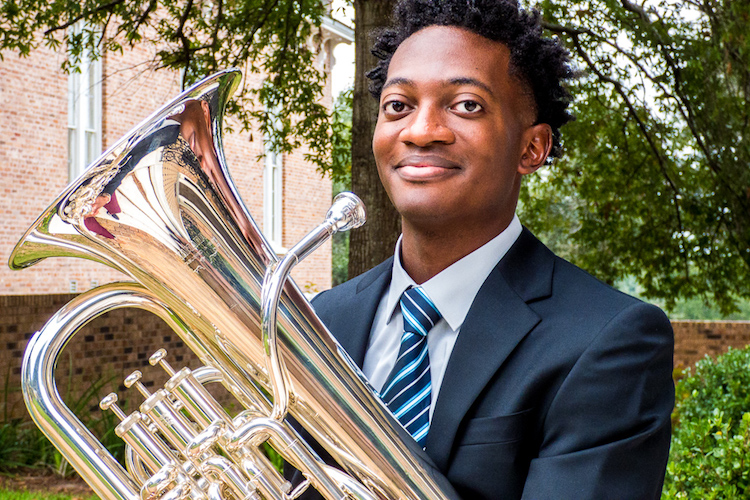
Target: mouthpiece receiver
[(347, 212)]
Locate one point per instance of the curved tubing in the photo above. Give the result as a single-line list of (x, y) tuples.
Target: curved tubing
[(59, 424), (347, 212)]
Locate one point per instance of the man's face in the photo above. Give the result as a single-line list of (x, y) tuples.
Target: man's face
[(195, 127), (454, 132)]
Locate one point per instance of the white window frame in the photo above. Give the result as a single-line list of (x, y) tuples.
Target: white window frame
[(273, 192), (84, 112)]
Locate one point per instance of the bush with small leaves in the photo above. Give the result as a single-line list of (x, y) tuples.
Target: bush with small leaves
[(723, 383), (711, 437), (708, 460)]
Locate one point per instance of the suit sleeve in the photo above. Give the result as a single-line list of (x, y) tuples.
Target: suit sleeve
[(607, 431)]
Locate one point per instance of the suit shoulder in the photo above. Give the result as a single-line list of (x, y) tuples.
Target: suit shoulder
[(537, 273), (346, 290), (568, 274), (582, 291)]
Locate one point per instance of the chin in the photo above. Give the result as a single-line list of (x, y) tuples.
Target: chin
[(426, 215)]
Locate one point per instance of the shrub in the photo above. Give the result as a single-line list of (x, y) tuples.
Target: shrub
[(722, 384), (708, 460), (22, 444), (711, 434)]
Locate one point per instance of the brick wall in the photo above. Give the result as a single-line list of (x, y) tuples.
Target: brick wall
[(115, 344), (33, 162), (693, 340), (33, 168), (104, 352)]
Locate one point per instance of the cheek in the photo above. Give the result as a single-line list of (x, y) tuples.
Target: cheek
[(496, 173), (380, 142), (380, 151), (384, 150)]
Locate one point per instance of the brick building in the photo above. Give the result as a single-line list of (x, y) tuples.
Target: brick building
[(53, 124)]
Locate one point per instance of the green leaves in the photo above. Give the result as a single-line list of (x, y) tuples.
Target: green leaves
[(708, 460), (655, 172), (279, 39), (341, 151), (711, 435)]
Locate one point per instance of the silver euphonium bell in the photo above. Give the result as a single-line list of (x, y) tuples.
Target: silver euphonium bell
[(160, 206)]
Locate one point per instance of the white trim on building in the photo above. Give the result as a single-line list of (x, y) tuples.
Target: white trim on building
[(273, 192), (84, 112)]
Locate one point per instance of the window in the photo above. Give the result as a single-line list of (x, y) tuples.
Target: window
[(84, 112), (272, 192)]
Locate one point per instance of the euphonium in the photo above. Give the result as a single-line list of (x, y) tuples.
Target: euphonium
[(160, 206)]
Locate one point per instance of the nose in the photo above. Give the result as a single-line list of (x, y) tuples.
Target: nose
[(427, 126)]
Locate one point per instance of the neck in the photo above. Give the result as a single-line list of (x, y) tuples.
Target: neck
[(426, 252)]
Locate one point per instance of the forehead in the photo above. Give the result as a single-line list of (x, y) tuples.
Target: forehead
[(445, 53)]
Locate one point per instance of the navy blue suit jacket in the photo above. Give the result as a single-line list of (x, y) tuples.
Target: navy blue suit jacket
[(559, 387)]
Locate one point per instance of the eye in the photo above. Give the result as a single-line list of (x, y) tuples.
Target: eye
[(394, 107), (468, 107)]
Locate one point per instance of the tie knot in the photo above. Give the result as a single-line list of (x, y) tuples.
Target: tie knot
[(420, 314)]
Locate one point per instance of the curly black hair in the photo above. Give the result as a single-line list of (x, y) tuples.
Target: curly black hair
[(541, 63)]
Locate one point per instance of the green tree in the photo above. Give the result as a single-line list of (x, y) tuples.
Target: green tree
[(655, 181), (342, 179), (274, 37)]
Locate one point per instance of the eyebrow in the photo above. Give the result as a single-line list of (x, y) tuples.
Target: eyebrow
[(398, 81), (450, 83)]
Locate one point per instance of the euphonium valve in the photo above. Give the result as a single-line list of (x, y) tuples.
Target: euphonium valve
[(169, 216), (180, 440)]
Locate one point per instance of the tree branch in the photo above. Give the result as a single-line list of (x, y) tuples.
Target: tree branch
[(218, 24), (180, 34), (557, 28), (104, 28), (683, 99), (684, 105), (619, 88), (630, 6), (144, 15), (242, 54), (83, 15)]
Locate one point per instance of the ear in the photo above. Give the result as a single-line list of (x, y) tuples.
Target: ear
[(537, 143)]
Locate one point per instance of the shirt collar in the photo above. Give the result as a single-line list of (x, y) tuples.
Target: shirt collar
[(454, 288)]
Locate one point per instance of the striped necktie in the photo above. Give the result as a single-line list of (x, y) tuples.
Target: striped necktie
[(407, 391)]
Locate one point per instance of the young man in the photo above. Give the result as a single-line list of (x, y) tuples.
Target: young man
[(521, 375)]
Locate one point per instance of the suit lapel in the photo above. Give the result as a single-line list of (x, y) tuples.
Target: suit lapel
[(352, 326), (499, 318)]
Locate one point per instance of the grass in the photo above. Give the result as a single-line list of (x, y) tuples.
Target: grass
[(36, 495)]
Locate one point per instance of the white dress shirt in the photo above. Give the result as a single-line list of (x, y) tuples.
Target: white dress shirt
[(452, 291)]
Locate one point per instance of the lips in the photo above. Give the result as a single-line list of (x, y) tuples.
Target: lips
[(425, 167)]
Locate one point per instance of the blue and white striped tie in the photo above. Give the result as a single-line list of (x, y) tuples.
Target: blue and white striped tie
[(408, 389)]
